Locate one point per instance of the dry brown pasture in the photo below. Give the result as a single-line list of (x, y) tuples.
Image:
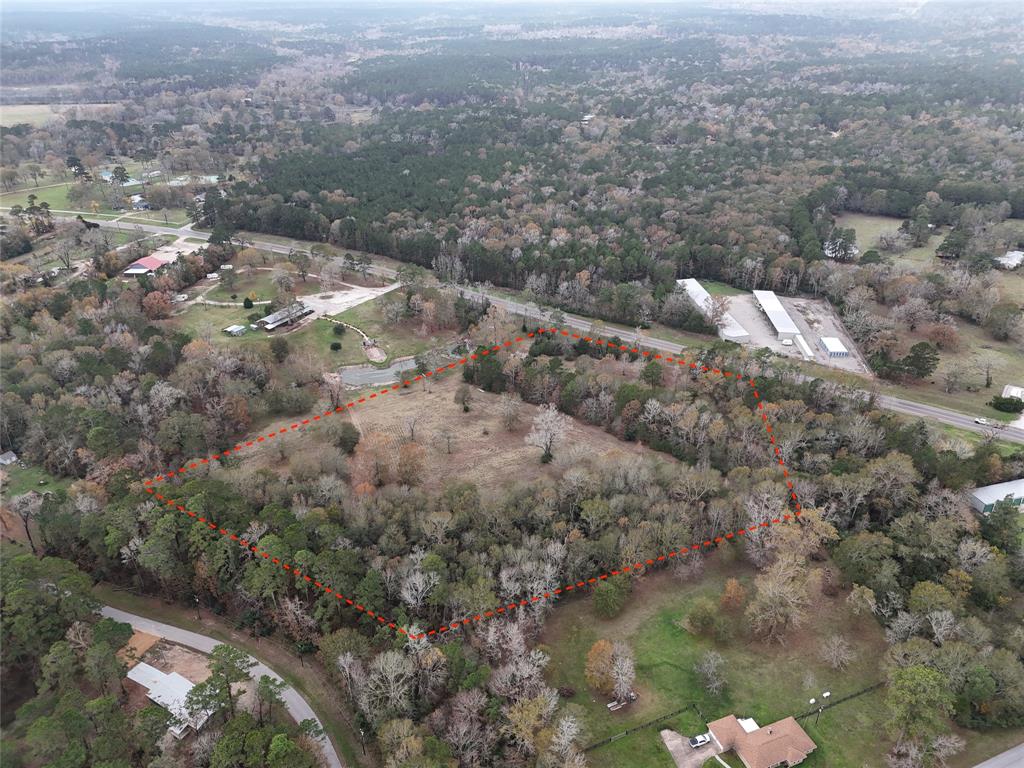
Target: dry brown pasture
[(482, 451)]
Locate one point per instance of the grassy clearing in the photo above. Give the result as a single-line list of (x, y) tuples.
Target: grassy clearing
[(19, 480), (716, 288), (974, 438), (765, 682), (56, 196), (259, 285), (396, 341), (33, 114), (869, 228), (976, 345), (309, 678), (167, 217)]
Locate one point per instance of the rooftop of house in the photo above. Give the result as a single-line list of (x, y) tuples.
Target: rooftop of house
[(763, 747)]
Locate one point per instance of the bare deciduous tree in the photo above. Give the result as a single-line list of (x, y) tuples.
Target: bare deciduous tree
[(623, 671), (709, 667), (837, 652), (508, 410), (549, 426)]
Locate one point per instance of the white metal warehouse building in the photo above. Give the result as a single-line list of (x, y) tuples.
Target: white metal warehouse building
[(729, 330), (985, 498), (777, 314)]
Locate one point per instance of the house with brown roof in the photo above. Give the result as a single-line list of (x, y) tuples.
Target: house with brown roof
[(783, 743)]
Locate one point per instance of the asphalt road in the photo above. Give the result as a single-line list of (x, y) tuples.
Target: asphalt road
[(899, 405), (297, 706), (1011, 758)]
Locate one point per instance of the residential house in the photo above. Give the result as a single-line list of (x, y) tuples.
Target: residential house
[(170, 692), (779, 745), (147, 265)]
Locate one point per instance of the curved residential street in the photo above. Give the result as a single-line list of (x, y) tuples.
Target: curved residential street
[(297, 706)]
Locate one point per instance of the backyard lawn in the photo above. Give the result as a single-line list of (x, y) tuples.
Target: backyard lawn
[(396, 341), (764, 681), (19, 480)]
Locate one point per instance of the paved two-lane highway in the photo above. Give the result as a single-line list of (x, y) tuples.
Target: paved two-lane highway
[(897, 404)]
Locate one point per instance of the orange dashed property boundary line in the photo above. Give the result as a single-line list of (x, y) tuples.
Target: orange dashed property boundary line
[(512, 606)]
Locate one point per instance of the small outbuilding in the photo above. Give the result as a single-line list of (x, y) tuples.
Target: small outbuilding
[(294, 311), (235, 330), (833, 347), (7, 458)]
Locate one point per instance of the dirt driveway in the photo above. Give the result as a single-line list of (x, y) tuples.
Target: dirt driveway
[(684, 756)]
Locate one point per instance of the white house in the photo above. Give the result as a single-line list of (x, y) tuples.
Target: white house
[(170, 692)]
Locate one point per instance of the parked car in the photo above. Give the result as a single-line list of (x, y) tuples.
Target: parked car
[(699, 741)]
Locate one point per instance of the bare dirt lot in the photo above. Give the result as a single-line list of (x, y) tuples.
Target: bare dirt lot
[(816, 318), (169, 657)]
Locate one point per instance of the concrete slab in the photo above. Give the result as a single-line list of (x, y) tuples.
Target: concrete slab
[(683, 755)]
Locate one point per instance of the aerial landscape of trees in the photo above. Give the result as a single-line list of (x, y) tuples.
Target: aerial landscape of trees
[(581, 164)]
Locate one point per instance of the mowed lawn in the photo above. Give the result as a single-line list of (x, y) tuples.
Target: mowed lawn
[(18, 480), (766, 681), (976, 345), (869, 228)]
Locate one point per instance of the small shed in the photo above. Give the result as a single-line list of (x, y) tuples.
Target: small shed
[(7, 458), (235, 330), (833, 347)]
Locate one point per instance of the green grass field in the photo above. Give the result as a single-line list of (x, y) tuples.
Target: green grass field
[(56, 196), (868, 229), (397, 342), (260, 284), (716, 288), (765, 681), (19, 480)]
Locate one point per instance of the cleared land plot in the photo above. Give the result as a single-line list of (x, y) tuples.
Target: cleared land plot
[(396, 340), (976, 346), (481, 448), (259, 285), (869, 228), (40, 114)]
